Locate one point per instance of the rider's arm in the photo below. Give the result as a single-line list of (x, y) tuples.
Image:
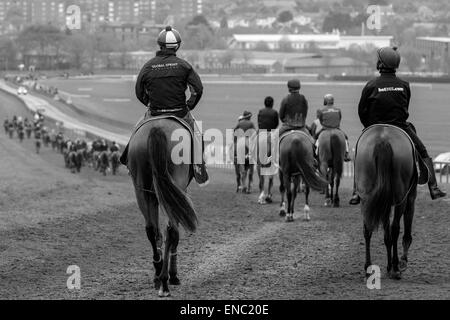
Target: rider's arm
[(196, 88), (363, 106), (141, 92)]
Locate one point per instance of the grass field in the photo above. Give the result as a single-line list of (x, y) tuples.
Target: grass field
[(224, 101)]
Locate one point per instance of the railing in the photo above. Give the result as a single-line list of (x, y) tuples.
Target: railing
[(442, 170)]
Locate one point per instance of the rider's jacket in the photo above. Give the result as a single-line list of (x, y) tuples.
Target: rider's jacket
[(244, 124), (162, 83), (267, 119), (294, 109), (385, 99), (330, 117)]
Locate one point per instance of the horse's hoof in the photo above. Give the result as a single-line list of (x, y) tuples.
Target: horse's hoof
[(336, 205), (402, 265), (307, 218), (268, 200), (174, 281), (395, 275), (282, 213), (163, 293)]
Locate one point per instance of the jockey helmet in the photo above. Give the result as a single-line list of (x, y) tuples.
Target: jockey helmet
[(246, 115), (293, 85), (169, 38), (328, 99), (388, 59)]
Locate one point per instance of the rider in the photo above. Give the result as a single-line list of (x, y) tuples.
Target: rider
[(294, 109), (244, 122), (114, 147), (385, 100), (268, 117), (330, 118), (161, 86)]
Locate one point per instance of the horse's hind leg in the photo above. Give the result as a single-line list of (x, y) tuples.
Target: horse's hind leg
[(407, 237), (149, 207), (306, 209), (251, 170), (174, 238), (164, 276), (395, 231), (367, 237), (282, 192), (336, 200), (388, 244)]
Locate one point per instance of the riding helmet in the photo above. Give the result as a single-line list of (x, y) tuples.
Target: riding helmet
[(294, 84), (328, 99), (169, 38), (388, 58)]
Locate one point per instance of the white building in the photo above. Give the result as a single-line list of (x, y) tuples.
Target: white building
[(303, 41)]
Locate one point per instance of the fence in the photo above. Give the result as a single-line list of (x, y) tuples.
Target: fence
[(442, 170)]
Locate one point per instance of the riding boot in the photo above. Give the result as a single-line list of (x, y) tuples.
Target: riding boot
[(200, 173), (435, 192)]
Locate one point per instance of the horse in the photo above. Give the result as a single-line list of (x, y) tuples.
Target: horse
[(297, 160), (20, 133), (386, 176), (161, 184), (245, 167), (103, 162), (73, 162), (11, 130), (115, 161), (266, 168), (331, 159), (38, 145)]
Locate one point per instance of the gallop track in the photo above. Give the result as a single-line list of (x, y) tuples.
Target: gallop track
[(50, 219)]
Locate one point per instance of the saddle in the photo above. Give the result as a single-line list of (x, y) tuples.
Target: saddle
[(421, 168)]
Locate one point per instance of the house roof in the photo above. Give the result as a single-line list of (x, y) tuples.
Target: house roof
[(286, 37)]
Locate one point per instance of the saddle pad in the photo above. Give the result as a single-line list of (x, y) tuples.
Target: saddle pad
[(422, 169), (287, 133), (173, 118)]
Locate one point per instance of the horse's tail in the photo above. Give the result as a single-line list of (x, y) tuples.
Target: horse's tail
[(379, 203), (313, 179), (174, 201), (337, 154)]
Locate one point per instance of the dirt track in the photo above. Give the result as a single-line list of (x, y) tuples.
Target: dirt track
[(50, 219)]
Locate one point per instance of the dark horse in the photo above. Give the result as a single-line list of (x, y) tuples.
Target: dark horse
[(297, 160), (115, 161), (386, 177), (161, 184), (331, 159), (245, 167), (73, 161), (103, 162)]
